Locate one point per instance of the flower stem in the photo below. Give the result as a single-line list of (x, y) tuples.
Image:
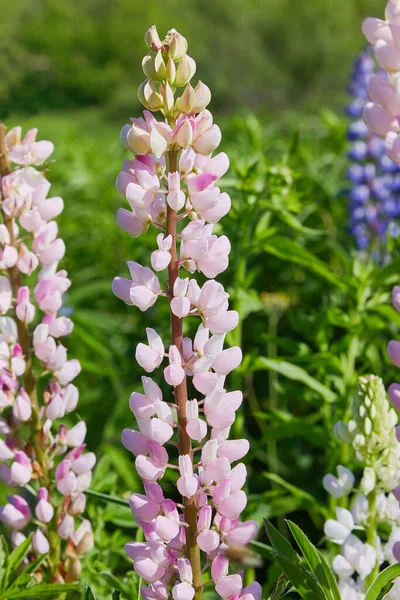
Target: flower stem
[(184, 442)]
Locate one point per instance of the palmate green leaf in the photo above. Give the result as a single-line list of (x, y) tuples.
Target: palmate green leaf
[(288, 250), (301, 579), (281, 589), (294, 373), (316, 562), (44, 590), (386, 577)]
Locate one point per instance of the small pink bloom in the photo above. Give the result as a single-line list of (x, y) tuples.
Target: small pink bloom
[(187, 483), (150, 357), (40, 543), (174, 374)]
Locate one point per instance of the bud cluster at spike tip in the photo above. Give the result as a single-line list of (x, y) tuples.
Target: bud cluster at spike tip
[(381, 113), (366, 521), (211, 478), (374, 197), (36, 449)]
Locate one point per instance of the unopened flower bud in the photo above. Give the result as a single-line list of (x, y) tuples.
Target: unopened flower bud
[(74, 571), (368, 480), (202, 97), (149, 96), (341, 432), (152, 39), (86, 544), (185, 71), (159, 67), (168, 96), (148, 66), (77, 506), (177, 45), (171, 71), (185, 103)]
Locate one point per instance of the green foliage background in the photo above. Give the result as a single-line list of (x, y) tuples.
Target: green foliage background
[(314, 315)]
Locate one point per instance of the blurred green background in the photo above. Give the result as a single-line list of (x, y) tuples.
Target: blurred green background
[(311, 322), (259, 54)]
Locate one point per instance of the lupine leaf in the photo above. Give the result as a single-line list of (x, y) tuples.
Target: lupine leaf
[(383, 579), (88, 594), (40, 591), (295, 373), (316, 562), (286, 249), (302, 580), (3, 562)]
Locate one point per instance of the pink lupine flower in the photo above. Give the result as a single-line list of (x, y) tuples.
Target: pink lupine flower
[(25, 205), (44, 510), (172, 177), (381, 114), (142, 291), (31, 152), (161, 258), (150, 357), (5, 295), (24, 309), (40, 543), (22, 409), (16, 514)]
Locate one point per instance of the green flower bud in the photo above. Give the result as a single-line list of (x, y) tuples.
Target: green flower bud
[(185, 103), (185, 71)]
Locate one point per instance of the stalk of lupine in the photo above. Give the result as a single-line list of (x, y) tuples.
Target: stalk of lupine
[(171, 179), (381, 114), (38, 453), (374, 177), (375, 511)]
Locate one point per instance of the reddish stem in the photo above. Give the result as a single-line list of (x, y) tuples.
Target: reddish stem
[(184, 442)]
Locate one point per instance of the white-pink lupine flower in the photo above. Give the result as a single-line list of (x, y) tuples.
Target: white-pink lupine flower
[(174, 373), (48, 248), (20, 471), (161, 258), (40, 543), (206, 135), (168, 524), (8, 257), (24, 309), (137, 136), (66, 528), (44, 511), (184, 590), (27, 260), (142, 290), (16, 513), (68, 372), (187, 483), (29, 151), (150, 357), (175, 197), (180, 303), (22, 408), (65, 478), (158, 192), (196, 428), (5, 295)]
